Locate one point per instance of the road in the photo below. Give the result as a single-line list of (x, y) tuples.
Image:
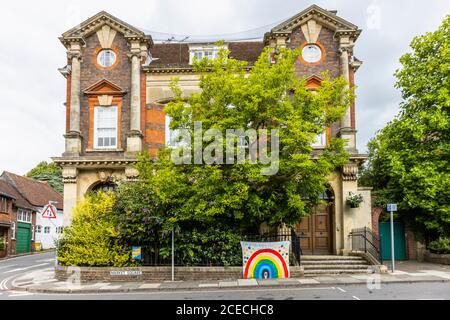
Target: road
[(9, 269)]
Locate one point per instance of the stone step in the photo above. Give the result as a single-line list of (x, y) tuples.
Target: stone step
[(331, 262), (333, 267), (330, 257), (312, 273)]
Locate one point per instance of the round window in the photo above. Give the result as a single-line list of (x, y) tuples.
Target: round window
[(106, 58), (311, 53)]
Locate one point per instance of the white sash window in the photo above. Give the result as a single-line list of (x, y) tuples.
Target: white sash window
[(105, 127), (321, 141)]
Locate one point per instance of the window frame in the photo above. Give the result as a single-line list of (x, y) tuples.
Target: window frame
[(24, 216), (101, 54), (4, 207), (96, 127)]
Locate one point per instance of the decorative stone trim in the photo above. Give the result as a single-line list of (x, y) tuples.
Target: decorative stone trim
[(69, 174), (94, 163), (350, 172), (131, 173)]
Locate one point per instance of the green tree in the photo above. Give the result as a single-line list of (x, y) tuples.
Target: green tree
[(49, 172), (92, 239), (409, 158), (237, 196)]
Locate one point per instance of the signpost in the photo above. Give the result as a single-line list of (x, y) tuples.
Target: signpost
[(391, 207)]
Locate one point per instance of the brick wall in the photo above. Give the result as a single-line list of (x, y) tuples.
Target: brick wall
[(331, 62), (411, 244), (155, 120), (119, 75), (158, 274)]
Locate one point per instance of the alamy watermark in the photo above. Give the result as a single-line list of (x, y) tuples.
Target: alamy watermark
[(207, 147)]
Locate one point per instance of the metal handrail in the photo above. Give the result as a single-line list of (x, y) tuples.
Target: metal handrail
[(374, 250)]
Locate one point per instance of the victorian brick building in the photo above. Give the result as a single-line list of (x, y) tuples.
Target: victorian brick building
[(118, 84)]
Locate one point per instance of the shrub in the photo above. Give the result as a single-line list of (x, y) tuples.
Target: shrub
[(92, 239), (441, 245)]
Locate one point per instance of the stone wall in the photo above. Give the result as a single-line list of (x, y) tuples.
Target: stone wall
[(154, 274)]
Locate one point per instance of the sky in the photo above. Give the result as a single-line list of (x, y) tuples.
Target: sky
[(32, 114)]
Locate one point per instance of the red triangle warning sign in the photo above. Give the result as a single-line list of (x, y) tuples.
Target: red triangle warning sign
[(49, 212)]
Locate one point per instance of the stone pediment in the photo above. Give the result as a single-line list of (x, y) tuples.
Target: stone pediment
[(101, 19), (104, 87), (322, 17)]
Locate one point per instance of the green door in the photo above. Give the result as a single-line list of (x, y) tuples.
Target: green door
[(399, 240), (23, 237)]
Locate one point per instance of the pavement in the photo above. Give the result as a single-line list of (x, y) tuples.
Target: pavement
[(43, 281)]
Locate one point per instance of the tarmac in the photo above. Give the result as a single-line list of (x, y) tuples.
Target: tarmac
[(43, 281)]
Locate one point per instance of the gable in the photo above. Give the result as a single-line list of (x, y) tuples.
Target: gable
[(106, 26), (311, 20), (104, 87)]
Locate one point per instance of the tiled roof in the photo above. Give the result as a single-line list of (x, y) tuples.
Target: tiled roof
[(6, 189), (176, 55), (37, 193)]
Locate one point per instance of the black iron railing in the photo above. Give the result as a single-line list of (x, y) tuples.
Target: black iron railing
[(159, 254), (363, 239)]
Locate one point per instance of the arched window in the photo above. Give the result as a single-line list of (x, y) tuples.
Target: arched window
[(105, 186)]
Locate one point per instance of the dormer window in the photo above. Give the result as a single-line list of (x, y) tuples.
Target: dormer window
[(203, 51)]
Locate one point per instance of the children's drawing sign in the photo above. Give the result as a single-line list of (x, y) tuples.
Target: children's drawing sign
[(49, 212)]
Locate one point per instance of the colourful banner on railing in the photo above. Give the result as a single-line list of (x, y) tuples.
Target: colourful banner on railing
[(265, 260)]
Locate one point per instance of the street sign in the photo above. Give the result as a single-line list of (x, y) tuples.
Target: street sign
[(49, 212), (391, 207)]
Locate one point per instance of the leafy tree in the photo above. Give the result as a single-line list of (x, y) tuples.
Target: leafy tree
[(92, 239), (49, 172), (235, 196), (408, 159)]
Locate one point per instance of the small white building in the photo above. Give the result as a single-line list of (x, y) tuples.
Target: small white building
[(48, 230)]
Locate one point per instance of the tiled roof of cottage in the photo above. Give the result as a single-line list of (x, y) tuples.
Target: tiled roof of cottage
[(37, 193), (7, 190), (176, 55)]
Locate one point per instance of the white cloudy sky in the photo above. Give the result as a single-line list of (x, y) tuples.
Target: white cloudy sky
[(32, 91)]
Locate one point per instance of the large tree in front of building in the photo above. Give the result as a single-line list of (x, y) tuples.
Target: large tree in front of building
[(409, 158), (49, 172), (239, 196)]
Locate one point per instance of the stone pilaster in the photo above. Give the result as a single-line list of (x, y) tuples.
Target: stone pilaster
[(134, 139), (73, 137), (346, 131)]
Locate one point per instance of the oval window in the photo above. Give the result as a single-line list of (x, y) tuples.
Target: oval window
[(106, 58), (311, 53)]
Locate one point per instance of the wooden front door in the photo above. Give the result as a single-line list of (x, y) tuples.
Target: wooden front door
[(315, 232)]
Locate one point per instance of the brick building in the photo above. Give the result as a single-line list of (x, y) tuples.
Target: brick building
[(118, 84), (21, 200)]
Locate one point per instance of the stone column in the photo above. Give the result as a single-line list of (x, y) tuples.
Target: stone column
[(346, 131), (73, 137), (134, 140)]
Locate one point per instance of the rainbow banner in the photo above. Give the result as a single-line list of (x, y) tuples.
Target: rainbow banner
[(265, 260)]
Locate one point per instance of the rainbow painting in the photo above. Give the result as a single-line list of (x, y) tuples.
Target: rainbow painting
[(265, 260)]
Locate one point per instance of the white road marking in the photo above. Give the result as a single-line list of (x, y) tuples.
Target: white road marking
[(46, 260), (8, 266), (356, 298), (341, 290), (19, 294), (26, 268)]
